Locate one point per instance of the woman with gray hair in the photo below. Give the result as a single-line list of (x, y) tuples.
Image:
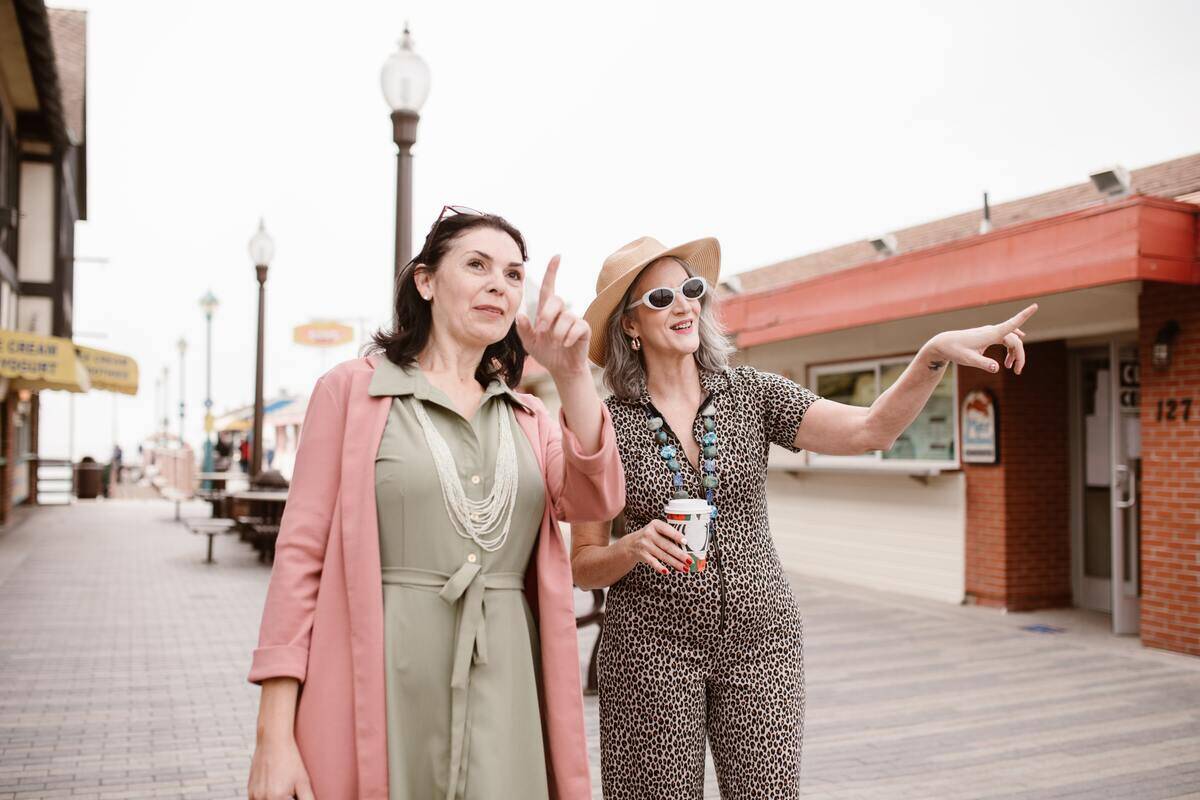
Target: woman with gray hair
[(702, 636)]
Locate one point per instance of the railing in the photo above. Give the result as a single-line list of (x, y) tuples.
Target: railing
[(55, 481)]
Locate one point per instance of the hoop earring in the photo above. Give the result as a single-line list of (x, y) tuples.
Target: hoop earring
[(635, 344)]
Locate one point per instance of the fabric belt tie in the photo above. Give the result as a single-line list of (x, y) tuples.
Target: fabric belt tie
[(468, 585)]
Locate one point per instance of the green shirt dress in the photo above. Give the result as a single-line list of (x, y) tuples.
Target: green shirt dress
[(461, 648)]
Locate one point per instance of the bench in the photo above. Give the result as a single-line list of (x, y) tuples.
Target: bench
[(262, 538), (210, 528), (175, 496)]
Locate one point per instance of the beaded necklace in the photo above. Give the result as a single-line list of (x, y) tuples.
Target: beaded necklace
[(708, 461)]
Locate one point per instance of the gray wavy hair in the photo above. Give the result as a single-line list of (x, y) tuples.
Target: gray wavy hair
[(624, 370)]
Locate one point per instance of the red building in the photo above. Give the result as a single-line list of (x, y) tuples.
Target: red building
[(1084, 489)]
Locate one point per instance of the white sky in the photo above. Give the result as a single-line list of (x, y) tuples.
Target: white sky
[(781, 128)]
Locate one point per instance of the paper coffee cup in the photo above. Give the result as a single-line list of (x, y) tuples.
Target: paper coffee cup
[(692, 518)]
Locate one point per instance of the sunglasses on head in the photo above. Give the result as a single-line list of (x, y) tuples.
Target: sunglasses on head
[(453, 211), (664, 296)]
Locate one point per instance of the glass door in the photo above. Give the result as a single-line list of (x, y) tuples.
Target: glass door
[(1106, 468)]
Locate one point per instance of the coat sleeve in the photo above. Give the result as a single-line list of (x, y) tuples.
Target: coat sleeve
[(584, 487), (287, 618)]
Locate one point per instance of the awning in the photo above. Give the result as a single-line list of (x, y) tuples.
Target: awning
[(1138, 238), (111, 372), (242, 419), (41, 362)]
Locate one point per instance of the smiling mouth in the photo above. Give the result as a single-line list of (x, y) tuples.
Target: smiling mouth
[(682, 327)]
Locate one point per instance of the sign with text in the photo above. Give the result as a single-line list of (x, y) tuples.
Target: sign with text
[(979, 426), (323, 334)]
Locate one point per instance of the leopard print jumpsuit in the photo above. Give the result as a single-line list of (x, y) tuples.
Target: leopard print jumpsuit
[(717, 653)]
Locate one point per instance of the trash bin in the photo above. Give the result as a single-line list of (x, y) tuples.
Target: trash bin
[(89, 478)]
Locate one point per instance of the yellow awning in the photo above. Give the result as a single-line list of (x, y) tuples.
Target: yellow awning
[(41, 362), (110, 372)]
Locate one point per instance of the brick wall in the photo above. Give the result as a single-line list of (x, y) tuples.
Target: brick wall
[(1170, 500), (1018, 525)]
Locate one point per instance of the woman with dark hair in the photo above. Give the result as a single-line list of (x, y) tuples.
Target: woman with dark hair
[(418, 638), (709, 646)]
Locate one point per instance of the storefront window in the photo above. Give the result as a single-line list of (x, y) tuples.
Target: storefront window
[(930, 440)]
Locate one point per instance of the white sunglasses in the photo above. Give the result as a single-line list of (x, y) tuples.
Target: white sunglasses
[(664, 296)]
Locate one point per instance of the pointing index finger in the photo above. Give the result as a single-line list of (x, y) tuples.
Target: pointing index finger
[(1017, 321), (548, 283)]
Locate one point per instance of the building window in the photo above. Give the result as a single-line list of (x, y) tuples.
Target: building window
[(931, 440)]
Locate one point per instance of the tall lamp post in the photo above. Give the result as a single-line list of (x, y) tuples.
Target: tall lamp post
[(166, 404), (262, 248), (405, 82), (182, 345), (208, 304)]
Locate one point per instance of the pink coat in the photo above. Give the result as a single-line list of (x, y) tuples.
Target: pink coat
[(323, 619)]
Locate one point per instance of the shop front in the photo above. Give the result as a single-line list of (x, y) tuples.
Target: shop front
[(1076, 483)]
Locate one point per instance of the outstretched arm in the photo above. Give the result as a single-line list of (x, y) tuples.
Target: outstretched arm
[(839, 429)]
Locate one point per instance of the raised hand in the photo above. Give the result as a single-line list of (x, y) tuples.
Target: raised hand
[(966, 347), (555, 337)]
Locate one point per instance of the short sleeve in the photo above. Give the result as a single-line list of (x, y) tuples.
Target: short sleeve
[(784, 403)]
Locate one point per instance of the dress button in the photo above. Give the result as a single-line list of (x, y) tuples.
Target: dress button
[(472, 558), (474, 479)]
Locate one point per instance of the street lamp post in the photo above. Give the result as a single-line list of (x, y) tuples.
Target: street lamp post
[(262, 248), (208, 304), (166, 404), (182, 345), (405, 82)]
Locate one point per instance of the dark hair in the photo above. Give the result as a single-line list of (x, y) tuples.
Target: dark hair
[(504, 360)]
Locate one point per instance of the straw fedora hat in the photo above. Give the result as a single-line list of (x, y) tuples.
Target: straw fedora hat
[(622, 268)]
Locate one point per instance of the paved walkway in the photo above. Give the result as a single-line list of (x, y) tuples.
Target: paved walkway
[(123, 660)]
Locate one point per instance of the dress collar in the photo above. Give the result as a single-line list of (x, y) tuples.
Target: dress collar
[(390, 379), (712, 383)]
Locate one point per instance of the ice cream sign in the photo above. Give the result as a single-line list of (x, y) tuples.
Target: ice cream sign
[(979, 428)]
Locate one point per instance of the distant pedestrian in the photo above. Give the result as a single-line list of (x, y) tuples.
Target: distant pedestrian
[(244, 455), (116, 463)]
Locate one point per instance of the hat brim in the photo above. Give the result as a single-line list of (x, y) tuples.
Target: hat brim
[(703, 257)]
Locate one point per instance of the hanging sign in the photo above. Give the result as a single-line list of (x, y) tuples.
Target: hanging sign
[(979, 428), (323, 334)]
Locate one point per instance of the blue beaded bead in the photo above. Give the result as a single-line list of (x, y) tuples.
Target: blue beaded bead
[(677, 479), (668, 451), (654, 423), (661, 436), (710, 465), (710, 424), (710, 450), (673, 465), (710, 438), (710, 481)]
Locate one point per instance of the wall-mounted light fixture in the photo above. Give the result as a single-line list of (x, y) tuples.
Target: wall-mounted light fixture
[(1161, 353), (885, 245), (1113, 182)]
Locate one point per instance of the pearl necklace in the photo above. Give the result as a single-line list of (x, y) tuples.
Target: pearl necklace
[(477, 520)]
